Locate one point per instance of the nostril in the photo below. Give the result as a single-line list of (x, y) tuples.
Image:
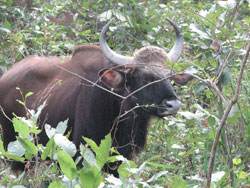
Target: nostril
[(173, 105), (168, 105)]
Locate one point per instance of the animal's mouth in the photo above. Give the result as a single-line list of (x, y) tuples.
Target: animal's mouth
[(168, 113), (169, 108)]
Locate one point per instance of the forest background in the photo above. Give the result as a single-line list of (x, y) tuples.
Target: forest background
[(208, 141)]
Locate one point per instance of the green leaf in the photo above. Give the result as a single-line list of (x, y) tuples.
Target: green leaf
[(242, 175), (15, 148), (53, 169), (9, 3), (28, 145), (222, 180), (56, 184), (201, 34), (1, 147), (28, 94), (104, 149), (236, 161), (123, 172), (227, 4), (92, 144), (62, 126), (247, 20), (217, 176), (226, 78), (178, 182), (85, 4), (21, 127), (7, 25), (164, 166), (90, 178), (50, 131), (188, 115), (14, 157), (48, 149), (5, 29), (90, 157), (19, 101), (86, 32), (28, 155), (65, 144), (35, 115), (67, 165)]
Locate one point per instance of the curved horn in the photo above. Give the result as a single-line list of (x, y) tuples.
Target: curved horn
[(110, 54), (175, 52)]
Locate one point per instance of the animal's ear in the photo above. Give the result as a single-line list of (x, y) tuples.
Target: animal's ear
[(182, 79), (112, 78)]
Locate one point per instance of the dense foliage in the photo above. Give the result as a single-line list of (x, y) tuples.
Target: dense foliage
[(178, 149)]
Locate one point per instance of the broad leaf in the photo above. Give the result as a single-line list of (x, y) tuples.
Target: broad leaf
[(21, 127), (64, 143), (92, 144), (90, 158), (164, 166), (15, 148), (67, 165), (62, 126), (104, 149), (56, 184), (50, 131), (28, 145), (48, 149), (90, 178)]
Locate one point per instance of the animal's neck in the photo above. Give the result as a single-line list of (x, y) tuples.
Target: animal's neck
[(130, 131)]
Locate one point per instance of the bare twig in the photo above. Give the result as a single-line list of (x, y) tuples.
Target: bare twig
[(7, 117), (87, 80), (224, 118), (213, 86), (234, 16)]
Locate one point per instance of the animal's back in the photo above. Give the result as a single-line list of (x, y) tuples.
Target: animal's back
[(31, 74)]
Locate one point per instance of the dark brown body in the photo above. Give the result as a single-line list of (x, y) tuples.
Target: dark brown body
[(78, 88), (54, 79)]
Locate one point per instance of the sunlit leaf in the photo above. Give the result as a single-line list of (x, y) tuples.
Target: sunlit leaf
[(90, 178), (104, 150), (164, 166), (64, 143), (217, 176), (28, 145), (229, 4), (62, 126), (67, 165), (56, 184), (21, 127), (48, 149), (15, 148), (201, 34)]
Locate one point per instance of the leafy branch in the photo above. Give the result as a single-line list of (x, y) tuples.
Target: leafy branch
[(225, 116)]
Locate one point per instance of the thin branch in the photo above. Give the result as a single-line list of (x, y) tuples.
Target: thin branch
[(213, 86), (224, 118), (89, 81), (5, 115), (148, 84), (234, 16)]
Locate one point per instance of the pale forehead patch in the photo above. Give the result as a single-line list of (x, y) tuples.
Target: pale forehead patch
[(150, 55)]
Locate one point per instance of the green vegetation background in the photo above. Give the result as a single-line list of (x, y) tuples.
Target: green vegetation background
[(178, 148)]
